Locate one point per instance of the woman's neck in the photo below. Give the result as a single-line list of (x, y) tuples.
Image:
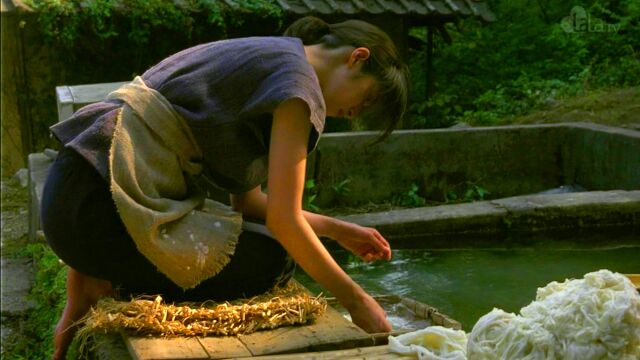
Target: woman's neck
[(324, 61)]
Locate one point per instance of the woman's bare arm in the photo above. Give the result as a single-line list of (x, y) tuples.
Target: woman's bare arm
[(254, 203), (286, 220), (367, 243)]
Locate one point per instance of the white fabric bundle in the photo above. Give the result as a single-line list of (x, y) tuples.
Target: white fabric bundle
[(594, 318), (432, 343), (597, 317), (502, 335)]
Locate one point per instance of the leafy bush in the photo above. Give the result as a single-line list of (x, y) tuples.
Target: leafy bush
[(470, 193), (309, 196), (524, 61), (67, 21), (97, 41), (409, 199)]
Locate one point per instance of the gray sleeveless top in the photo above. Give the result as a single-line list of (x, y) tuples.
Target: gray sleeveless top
[(226, 91)]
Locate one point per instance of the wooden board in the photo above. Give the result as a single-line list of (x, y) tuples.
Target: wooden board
[(324, 339), (146, 348), (224, 347), (418, 309), (368, 353), (635, 279), (64, 101), (71, 98), (90, 93), (330, 331)]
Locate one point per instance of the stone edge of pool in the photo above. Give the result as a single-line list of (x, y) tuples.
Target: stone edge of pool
[(506, 161), (485, 222)]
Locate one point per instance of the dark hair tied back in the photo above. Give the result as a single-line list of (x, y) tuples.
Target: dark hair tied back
[(384, 64), (309, 29)]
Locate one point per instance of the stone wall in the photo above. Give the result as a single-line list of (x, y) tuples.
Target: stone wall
[(605, 158), (506, 161)]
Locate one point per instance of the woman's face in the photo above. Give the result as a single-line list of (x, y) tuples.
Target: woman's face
[(348, 90)]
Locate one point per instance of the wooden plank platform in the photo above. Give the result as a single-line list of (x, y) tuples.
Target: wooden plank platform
[(330, 331), (172, 348), (362, 353), (225, 347), (331, 336)]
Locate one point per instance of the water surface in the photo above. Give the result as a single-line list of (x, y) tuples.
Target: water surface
[(466, 284)]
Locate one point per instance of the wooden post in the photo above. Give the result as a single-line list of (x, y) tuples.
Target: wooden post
[(24, 100), (12, 133)]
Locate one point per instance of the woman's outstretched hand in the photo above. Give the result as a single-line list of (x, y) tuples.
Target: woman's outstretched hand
[(366, 243), (369, 315)]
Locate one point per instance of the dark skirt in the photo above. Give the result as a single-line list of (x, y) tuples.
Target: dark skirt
[(82, 226)]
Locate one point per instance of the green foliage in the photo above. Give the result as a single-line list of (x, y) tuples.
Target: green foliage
[(311, 190), (65, 21), (146, 16), (49, 296), (526, 60), (341, 189), (251, 8), (309, 196), (97, 41), (410, 198), (471, 192)]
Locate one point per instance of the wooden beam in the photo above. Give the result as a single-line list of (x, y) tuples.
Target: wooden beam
[(444, 33)]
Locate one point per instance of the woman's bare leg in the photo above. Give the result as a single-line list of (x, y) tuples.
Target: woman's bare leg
[(83, 291)]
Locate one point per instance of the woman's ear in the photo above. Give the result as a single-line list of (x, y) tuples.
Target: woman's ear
[(358, 55)]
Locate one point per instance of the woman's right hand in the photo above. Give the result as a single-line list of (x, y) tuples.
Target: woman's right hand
[(368, 314), (285, 218)]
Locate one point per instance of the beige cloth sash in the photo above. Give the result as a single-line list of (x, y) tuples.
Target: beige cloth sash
[(152, 158)]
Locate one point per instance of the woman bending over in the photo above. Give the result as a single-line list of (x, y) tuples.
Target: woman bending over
[(124, 204)]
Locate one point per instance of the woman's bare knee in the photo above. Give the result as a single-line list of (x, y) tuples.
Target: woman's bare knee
[(87, 288)]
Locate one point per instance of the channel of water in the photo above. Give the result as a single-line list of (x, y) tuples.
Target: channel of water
[(468, 283)]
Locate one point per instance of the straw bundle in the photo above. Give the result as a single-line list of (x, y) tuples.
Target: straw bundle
[(290, 305)]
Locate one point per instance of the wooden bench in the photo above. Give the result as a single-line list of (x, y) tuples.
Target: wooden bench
[(71, 98)]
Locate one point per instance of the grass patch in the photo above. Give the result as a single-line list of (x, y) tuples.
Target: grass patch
[(49, 295), (613, 107), (33, 332)]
